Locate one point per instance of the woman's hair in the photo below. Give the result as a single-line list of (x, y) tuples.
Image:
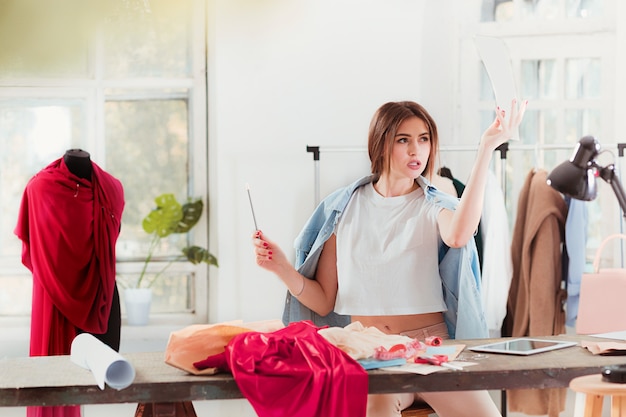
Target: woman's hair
[(382, 132)]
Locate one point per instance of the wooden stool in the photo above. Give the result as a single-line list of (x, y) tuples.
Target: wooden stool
[(595, 389), (418, 409)]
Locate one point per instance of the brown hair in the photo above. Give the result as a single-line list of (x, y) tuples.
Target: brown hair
[(382, 132)]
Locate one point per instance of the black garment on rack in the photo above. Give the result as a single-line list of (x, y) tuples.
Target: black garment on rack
[(460, 187)]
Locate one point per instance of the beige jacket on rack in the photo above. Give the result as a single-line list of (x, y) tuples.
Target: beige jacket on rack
[(536, 298)]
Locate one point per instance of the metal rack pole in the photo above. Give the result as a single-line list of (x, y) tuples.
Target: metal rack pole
[(503, 149), (315, 150), (620, 153)]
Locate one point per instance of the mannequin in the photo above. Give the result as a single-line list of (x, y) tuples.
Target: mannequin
[(69, 221), (78, 162)]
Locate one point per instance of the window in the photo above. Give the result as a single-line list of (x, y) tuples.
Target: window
[(542, 10), (134, 97), (563, 58)]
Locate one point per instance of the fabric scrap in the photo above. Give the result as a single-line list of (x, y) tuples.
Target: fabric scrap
[(294, 371)]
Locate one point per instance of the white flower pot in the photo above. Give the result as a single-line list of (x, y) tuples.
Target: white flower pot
[(137, 302)]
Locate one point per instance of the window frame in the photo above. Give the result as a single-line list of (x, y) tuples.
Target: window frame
[(560, 39), (94, 93)]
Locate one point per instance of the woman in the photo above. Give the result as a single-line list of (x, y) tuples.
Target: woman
[(377, 259)]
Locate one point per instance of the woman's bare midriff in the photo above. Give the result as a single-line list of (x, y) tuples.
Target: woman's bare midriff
[(399, 324)]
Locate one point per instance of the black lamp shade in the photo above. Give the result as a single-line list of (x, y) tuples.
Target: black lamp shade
[(574, 181), (576, 177)]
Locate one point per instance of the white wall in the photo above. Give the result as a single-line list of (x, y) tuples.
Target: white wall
[(285, 74)]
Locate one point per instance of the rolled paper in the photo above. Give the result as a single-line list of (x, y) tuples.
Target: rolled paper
[(497, 61), (106, 365)]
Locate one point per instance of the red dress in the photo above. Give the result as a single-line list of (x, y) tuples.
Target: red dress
[(69, 227)]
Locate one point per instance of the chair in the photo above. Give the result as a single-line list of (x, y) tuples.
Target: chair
[(418, 409), (177, 409), (591, 389)]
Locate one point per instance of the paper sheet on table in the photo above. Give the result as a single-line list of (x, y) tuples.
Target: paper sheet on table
[(621, 335), (604, 348), (425, 369), (497, 60), (105, 364)]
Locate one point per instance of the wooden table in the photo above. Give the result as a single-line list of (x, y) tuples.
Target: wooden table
[(45, 381)]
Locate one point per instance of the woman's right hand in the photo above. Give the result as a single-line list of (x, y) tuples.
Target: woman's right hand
[(503, 127), (317, 294), (268, 254)]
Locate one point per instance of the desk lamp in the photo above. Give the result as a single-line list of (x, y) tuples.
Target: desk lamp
[(577, 179), (577, 176)]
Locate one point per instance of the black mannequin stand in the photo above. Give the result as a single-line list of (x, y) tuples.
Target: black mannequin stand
[(78, 162)]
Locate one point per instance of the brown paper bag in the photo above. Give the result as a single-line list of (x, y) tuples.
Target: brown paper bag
[(198, 341), (602, 306)]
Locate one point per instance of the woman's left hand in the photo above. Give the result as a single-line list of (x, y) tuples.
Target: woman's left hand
[(503, 128)]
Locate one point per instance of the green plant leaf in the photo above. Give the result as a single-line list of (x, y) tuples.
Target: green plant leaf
[(169, 217), (164, 219), (192, 211), (196, 255)]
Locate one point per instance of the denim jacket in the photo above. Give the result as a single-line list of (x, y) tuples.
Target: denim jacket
[(459, 267)]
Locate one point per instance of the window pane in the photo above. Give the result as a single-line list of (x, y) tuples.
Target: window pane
[(147, 149), (149, 44), (496, 10), (582, 78), (584, 8), (16, 295), (45, 38), (579, 123), (539, 127), (486, 119), (32, 136), (171, 292), (540, 9), (539, 79), (554, 157)]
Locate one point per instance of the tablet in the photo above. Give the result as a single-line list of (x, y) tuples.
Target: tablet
[(522, 346)]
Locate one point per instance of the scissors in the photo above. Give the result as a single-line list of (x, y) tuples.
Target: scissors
[(438, 360)]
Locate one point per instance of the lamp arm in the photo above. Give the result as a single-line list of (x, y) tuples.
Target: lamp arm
[(608, 174)]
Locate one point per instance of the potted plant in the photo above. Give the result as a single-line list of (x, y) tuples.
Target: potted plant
[(168, 217)]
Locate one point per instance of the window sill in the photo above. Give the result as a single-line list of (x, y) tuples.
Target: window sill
[(153, 337)]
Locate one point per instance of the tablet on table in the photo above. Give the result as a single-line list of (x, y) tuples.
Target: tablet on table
[(522, 346)]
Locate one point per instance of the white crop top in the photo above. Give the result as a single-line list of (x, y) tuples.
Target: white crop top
[(387, 255)]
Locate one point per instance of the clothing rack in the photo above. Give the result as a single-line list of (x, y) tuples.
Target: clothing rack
[(317, 150), (502, 149)]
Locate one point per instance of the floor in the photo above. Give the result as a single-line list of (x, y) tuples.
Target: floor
[(14, 342)]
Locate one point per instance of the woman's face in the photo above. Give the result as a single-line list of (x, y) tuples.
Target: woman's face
[(411, 149)]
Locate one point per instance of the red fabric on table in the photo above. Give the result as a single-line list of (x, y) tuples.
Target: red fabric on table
[(294, 371), (69, 227)]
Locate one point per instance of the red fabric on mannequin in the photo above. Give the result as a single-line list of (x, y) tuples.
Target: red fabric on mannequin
[(294, 371), (69, 227)]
